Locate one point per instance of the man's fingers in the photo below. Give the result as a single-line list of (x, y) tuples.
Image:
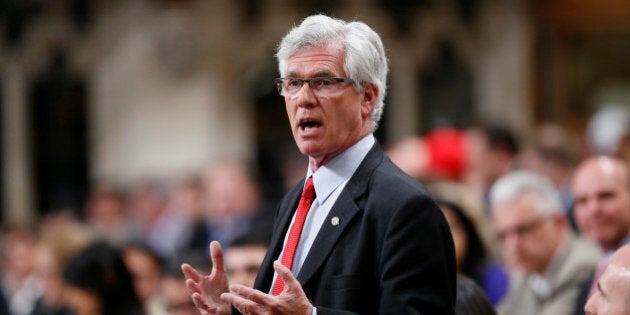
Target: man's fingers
[(285, 274), (200, 304), (253, 295), (190, 272), (243, 303), (192, 286), (216, 254)]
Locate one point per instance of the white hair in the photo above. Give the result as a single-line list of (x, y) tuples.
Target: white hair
[(364, 60), (547, 200)]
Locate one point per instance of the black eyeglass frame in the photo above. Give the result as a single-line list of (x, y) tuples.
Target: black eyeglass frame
[(280, 85)]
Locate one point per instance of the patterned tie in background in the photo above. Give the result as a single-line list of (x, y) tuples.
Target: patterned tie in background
[(308, 195)]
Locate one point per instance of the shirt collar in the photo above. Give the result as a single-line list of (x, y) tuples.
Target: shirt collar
[(340, 168)]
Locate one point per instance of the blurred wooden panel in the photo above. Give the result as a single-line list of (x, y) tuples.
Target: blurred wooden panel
[(586, 15)]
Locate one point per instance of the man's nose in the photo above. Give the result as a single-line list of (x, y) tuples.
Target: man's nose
[(305, 95), (593, 207), (589, 309)]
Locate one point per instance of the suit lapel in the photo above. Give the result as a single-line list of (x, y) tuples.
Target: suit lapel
[(285, 216), (345, 208), (285, 213)]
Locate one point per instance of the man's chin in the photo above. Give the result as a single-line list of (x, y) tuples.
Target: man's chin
[(309, 147)]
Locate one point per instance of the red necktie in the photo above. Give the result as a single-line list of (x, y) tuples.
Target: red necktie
[(308, 195)]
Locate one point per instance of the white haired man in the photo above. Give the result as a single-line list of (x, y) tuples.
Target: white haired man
[(369, 240), (548, 263)]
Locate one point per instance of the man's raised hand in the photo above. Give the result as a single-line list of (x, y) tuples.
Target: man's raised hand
[(206, 290)]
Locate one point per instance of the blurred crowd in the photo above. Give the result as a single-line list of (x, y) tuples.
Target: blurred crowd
[(122, 254), (533, 217)]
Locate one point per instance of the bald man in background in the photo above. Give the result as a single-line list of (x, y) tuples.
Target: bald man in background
[(601, 189)]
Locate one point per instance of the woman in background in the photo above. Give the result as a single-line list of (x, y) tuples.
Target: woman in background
[(471, 300), (471, 256), (98, 283)]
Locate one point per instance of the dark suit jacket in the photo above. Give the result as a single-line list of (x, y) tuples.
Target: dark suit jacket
[(391, 253)]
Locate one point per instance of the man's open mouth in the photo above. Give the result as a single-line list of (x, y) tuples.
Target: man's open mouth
[(306, 124)]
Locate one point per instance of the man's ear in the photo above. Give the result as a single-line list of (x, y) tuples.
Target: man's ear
[(370, 94)]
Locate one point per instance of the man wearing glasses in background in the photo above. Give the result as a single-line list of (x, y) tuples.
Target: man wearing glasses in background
[(547, 263), (371, 240)]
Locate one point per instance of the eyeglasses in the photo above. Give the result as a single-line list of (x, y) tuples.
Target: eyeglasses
[(322, 85), (521, 230)]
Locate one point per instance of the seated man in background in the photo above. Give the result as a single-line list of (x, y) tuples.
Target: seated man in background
[(548, 263), (173, 287), (613, 288), (601, 189), (245, 255)]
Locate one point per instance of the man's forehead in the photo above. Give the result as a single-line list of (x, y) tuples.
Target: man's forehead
[(615, 279), (314, 62), (520, 206), (601, 166)]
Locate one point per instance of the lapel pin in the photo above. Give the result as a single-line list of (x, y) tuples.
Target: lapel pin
[(334, 221)]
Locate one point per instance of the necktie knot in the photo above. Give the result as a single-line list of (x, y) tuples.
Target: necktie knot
[(309, 190)]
